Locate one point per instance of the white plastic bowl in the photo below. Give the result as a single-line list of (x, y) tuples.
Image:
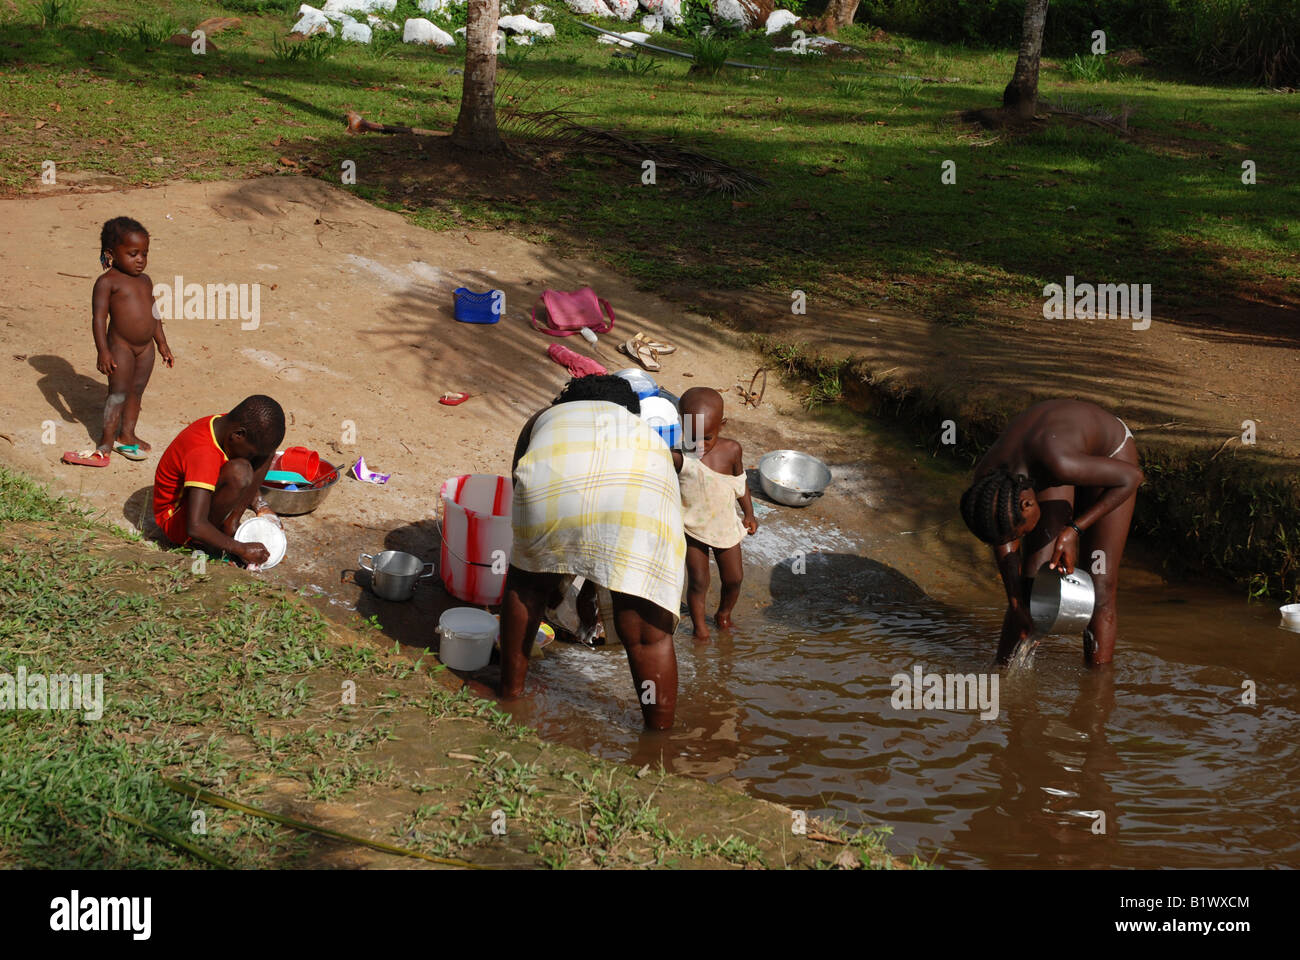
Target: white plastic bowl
[(266, 532), (1290, 617), (467, 638), (661, 416), (643, 385)]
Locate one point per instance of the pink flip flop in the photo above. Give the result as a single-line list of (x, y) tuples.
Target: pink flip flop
[(86, 458)]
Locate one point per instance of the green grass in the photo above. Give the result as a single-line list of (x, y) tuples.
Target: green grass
[(173, 703), (230, 685), (864, 152)]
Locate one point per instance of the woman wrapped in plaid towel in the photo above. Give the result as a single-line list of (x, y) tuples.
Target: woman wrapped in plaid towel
[(596, 496)]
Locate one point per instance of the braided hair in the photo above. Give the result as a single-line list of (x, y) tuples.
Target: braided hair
[(600, 387), (991, 505)]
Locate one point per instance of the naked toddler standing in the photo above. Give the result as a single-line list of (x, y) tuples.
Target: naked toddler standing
[(125, 328)]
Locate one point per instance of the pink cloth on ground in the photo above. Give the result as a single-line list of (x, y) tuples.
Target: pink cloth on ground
[(575, 363)]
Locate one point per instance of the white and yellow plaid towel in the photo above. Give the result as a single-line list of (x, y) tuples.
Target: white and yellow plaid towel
[(596, 496)]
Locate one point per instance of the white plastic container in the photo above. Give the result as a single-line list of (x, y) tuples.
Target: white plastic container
[(643, 385), (662, 417), (476, 537), (1290, 617), (468, 635), (268, 533)]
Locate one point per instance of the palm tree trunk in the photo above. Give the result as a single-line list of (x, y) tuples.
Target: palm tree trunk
[(840, 13), (476, 126), (1021, 94)]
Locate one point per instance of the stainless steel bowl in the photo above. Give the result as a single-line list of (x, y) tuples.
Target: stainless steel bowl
[(1061, 604), (291, 503), (793, 478)]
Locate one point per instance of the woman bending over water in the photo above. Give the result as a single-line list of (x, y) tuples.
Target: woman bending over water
[(1062, 478)]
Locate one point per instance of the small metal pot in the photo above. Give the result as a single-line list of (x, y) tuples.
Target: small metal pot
[(793, 478), (394, 574), (1061, 604)]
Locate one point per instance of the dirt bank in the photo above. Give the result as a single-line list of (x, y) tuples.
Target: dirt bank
[(356, 328)]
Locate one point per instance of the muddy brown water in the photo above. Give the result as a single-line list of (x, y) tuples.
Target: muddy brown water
[(795, 706)]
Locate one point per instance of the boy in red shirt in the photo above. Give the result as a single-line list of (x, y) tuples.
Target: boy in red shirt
[(210, 474)]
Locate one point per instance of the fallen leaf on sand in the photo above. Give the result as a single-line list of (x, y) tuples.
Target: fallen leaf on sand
[(286, 162), (825, 837), (39, 124), (465, 756), (473, 242)]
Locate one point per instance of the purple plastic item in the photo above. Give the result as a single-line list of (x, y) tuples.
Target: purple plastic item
[(366, 475)]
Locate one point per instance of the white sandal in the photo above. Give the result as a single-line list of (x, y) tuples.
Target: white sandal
[(658, 346), (641, 352)]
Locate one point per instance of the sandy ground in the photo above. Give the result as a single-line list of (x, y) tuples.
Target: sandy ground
[(356, 325)]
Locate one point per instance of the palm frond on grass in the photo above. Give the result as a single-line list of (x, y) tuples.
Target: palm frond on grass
[(207, 796)]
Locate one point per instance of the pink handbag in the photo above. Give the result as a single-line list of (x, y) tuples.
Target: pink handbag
[(567, 313)]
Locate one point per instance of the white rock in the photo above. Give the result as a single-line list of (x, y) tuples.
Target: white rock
[(537, 11), (334, 9), (523, 41), (623, 9), (672, 12), (433, 6), (630, 35), (377, 24), (780, 19), (522, 24), (652, 23), (730, 12), (589, 8), (312, 21), (420, 30), (356, 32)]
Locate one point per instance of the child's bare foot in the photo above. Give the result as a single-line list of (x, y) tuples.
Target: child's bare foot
[(701, 630), (723, 621), (134, 441)]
